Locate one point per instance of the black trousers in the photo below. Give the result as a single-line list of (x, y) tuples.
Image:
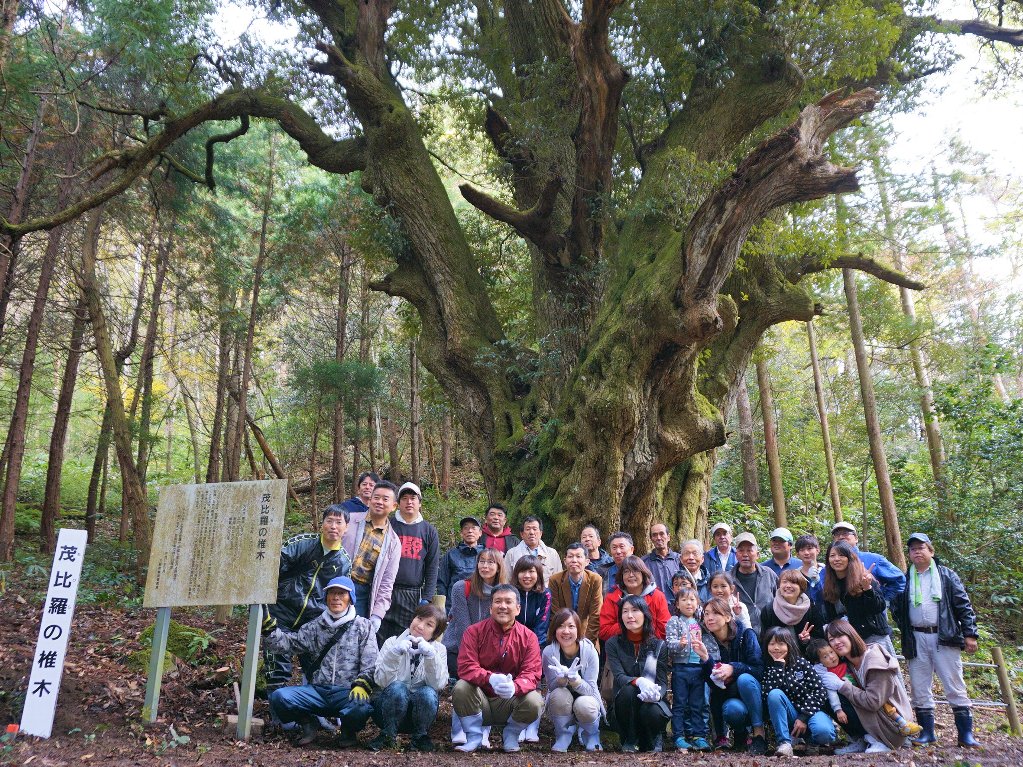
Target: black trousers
[(637, 722)]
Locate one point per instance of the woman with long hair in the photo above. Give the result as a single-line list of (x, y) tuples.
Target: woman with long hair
[(634, 579), (851, 592), (570, 667), (641, 666)]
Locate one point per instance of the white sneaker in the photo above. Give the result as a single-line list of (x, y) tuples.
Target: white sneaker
[(875, 746), (784, 749), (857, 746)]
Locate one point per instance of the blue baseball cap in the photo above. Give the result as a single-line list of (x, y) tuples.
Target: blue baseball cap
[(921, 537), (341, 582)]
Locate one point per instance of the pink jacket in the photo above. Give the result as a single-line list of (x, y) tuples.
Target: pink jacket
[(386, 567)]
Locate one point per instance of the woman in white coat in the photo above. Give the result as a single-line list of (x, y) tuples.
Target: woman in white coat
[(570, 666)]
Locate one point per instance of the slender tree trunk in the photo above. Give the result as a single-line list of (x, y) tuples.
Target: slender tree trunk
[(414, 409), (771, 444), (171, 383), (750, 475), (371, 441), (445, 453), (393, 454), (892, 532), (339, 441), (313, 504), (58, 438), (193, 435), (231, 458), (134, 490), (822, 411), (19, 418), (92, 502), (8, 15), (224, 338), (257, 473)]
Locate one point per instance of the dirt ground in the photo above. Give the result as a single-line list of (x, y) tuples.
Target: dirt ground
[(98, 714)]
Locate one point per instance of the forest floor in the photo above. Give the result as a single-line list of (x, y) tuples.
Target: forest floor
[(98, 717)]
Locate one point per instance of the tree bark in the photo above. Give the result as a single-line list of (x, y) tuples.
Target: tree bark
[(134, 490), (224, 340), (19, 418), (771, 444), (414, 410), (889, 514), (393, 454), (445, 453), (750, 474), (315, 443), (93, 499), (339, 442), (822, 412), (61, 419)]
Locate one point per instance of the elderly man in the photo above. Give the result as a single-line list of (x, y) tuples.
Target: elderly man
[(693, 565), (891, 578), (937, 623), (596, 557), (662, 561), (359, 503), (496, 533), (755, 582), (344, 650), (578, 589), (308, 562), (721, 556), (621, 546), (532, 543), (499, 671), (416, 580), (781, 558), (375, 551), (459, 562)]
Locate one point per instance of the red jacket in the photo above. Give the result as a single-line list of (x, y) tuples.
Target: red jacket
[(488, 649), (655, 600)]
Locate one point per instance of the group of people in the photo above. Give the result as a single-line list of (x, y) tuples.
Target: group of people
[(721, 645)]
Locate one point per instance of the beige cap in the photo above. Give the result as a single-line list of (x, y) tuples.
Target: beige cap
[(745, 538)]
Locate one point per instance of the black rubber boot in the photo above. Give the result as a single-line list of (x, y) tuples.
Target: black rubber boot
[(925, 718), (964, 726)]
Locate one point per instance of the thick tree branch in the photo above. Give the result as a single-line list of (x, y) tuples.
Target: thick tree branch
[(980, 28), (329, 154), (788, 167), (813, 264), (533, 224), (222, 138)]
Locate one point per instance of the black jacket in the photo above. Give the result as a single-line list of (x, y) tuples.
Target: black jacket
[(814, 616), (305, 572), (866, 612), (800, 684), (956, 619), (626, 664)]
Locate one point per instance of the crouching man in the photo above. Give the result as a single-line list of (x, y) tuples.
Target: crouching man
[(344, 651), (499, 668), (412, 669)]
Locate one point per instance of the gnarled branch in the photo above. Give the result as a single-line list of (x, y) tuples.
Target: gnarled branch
[(981, 28), (813, 264), (533, 224), (222, 138)]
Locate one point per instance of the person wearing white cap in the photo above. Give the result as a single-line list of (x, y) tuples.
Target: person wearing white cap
[(756, 583), (781, 558), (891, 578), (416, 581), (721, 555), (344, 650)]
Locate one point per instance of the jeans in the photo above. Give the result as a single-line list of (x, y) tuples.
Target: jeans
[(400, 708), (739, 713), (638, 723), (363, 599), (688, 704), (293, 704), (783, 715)]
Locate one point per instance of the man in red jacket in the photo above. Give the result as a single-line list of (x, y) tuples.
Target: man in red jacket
[(499, 670)]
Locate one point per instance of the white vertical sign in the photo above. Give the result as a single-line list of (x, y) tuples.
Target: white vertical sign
[(54, 629)]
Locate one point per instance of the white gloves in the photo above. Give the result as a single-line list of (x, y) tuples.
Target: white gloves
[(375, 622), (403, 646), (503, 685), (648, 691), (832, 682)]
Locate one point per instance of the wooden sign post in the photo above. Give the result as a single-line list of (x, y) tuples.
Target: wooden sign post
[(215, 544), (54, 631)]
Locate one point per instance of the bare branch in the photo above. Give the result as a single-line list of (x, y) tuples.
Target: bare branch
[(980, 28), (533, 224), (813, 264)]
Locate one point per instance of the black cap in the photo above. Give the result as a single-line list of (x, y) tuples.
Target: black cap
[(474, 520)]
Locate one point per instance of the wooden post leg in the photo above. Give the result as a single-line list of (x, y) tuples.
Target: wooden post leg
[(1007, 696), (160, 630), (248, 688)]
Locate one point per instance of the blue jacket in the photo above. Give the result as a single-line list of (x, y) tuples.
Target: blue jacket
[(354, 505), (535, 612), (743, 653), (712, 561), (793, 564), (457, 564)]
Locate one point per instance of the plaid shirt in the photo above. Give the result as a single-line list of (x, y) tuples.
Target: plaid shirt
[(366, 555)]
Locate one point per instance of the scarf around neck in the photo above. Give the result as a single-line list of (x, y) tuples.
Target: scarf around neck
[(916, 592), (791, 614)]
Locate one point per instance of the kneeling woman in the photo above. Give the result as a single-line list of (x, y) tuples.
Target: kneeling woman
[(641, 666), (734, 677), (796, 699), (876, 673), (411, 671), (570, 666)]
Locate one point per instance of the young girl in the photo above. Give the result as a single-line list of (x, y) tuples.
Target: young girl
[(722, 585), (796, 698), (688, 689), (826, 660)]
